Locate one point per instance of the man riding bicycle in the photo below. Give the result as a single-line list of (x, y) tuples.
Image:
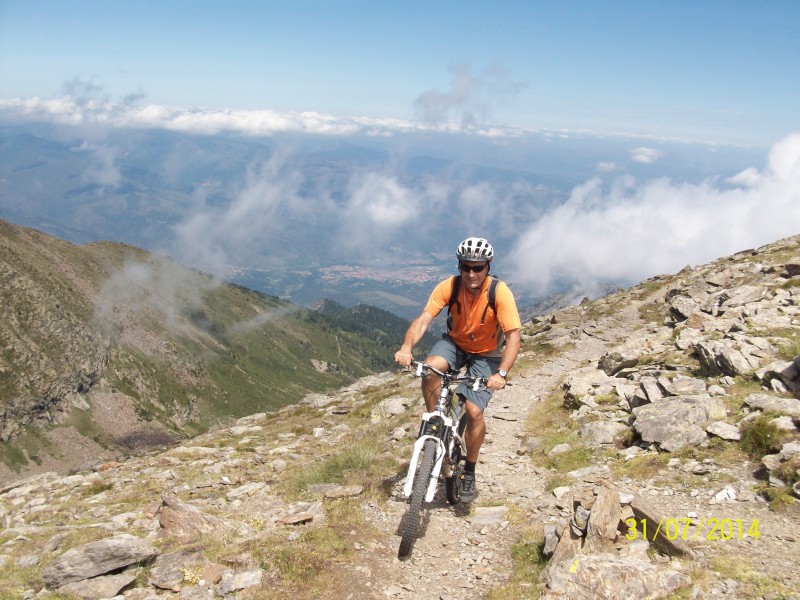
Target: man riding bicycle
[(479, 313)]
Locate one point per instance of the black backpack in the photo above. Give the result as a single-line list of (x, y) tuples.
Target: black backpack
[(493, 282)]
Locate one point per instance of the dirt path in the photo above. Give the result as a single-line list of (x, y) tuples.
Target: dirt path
[(463, 553)]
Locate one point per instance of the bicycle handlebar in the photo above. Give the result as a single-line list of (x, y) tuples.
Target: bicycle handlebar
[(422, 369)]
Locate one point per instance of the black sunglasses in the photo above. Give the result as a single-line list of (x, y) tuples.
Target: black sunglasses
[(475, 269)]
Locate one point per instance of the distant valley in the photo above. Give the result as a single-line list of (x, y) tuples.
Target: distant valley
[(357, 220)]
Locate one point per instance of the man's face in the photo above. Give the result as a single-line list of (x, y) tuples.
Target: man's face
[(470, 276)]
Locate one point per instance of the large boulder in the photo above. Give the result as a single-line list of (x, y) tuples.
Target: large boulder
[(724, 357), (609, 577), (97, 558), (677, 422), (781, 376)]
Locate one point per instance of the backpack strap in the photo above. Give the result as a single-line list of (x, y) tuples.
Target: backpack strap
[(492, 298), (454, 291)]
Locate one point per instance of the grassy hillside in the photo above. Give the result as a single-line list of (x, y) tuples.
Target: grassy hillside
[(85, 325)]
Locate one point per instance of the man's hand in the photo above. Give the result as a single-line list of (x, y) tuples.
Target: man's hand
[(403, 357), (496, 382)]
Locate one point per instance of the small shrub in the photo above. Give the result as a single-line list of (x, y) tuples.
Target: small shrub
[(306, 561), (529, 561), (97, 488), (778, 497), (643, 467), (361, 463), (790, 350), (760, 437), (788, 471)]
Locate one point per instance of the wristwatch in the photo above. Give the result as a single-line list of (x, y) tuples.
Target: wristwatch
[(503, 374)]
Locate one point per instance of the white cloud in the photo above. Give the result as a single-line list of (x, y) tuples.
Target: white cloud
[(103, 170), (214, 238), (645, 155), (633, 230), (382, 200), (749, 177)]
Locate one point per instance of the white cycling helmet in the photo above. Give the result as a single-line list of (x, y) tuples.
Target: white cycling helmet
[(475, 249)]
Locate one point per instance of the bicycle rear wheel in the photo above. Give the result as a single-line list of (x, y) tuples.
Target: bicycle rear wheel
[(408, 528)]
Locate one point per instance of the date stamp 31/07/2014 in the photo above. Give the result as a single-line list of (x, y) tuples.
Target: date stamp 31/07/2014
[(686, 529)]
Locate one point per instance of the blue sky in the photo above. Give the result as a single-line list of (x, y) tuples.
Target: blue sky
[(719, 71)]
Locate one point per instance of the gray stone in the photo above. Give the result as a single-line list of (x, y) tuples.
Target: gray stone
[(344, 491), (187, 521), (677, 422), (610, 577), (550, 540), (681, 307), (488, 515), (600, 433), (744, 295), (97, 558), (682, 386), (396, 405), (784, 423), (559, 449), (604, 519), (783, 376), (724, 430), (167, 572), (99, 588), (232, 582), (724, 358), (777, 404), (650, 387), (613, 362), (647, 522)]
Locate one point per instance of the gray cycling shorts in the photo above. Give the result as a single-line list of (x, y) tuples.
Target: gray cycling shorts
[(478, 365)]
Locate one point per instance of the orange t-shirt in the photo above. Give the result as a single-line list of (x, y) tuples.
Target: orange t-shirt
[(467, 332)]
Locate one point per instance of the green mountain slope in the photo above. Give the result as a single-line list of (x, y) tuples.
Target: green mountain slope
[(110, 327)]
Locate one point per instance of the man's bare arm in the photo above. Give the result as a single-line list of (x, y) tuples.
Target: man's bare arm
[(513, 343), (414, 334)]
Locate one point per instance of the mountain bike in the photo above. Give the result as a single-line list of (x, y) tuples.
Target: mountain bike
[(439, 449)]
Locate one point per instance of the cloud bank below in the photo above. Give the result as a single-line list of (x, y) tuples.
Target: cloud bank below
[(628, 231)]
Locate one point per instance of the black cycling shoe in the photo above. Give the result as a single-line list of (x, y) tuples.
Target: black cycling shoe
[(468, 488)]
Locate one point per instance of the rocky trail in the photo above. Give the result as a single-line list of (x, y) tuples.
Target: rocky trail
[(647, 492), (465, 552)]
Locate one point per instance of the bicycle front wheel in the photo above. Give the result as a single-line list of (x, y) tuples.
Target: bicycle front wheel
[(452, 484), (422, 478)]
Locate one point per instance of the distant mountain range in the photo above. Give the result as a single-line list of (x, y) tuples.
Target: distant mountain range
[(109, 347), (356, 219)]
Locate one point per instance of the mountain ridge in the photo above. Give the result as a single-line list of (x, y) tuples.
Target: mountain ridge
[(174, 351)]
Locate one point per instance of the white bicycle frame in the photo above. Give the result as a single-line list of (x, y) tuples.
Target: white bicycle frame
[(440, 454), (441, 450)]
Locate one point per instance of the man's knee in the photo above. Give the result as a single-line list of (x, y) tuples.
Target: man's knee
[(437, 362), (474, 414)]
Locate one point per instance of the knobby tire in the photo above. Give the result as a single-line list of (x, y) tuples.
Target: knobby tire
[(421, 480), (452, 484)]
